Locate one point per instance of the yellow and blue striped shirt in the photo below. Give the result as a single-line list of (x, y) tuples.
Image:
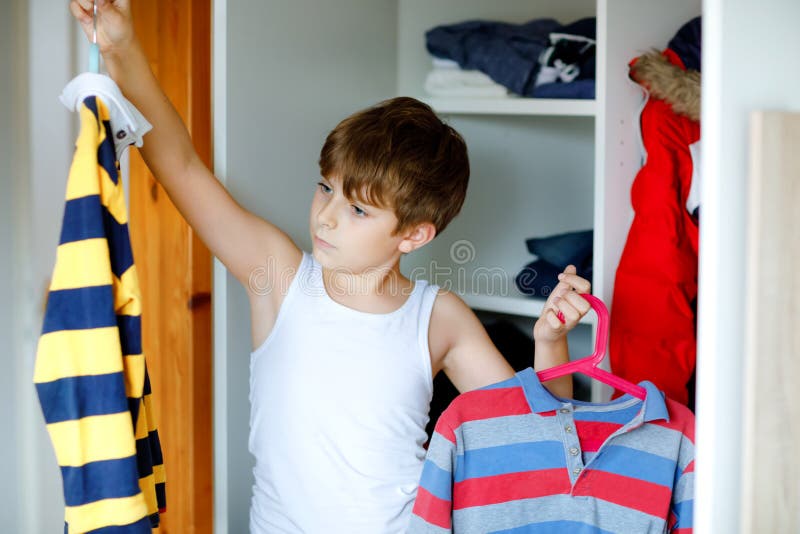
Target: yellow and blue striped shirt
[(90, 372)]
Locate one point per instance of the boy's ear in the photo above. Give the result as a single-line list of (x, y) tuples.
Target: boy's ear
[(416, 237)]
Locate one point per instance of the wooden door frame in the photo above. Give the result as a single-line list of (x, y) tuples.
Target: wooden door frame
[(175, 268)]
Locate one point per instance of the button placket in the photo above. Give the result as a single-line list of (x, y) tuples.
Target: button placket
[(572, 447)]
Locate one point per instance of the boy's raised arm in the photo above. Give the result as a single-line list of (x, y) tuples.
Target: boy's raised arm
[(472, 361), (240, 239)]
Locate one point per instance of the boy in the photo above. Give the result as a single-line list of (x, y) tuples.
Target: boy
[(345, 347)]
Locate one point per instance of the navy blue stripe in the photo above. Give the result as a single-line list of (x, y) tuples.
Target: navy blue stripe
[(161, 495), (148, 454), (79, 309), (83, 219), (91, 103), (130, 334), (144, 457), (133, 407), (72, 398), (146, 390), (119, 244), (106, 156), (87, 218), (155, 448), (141, 526), (107, 479), (155, 519)]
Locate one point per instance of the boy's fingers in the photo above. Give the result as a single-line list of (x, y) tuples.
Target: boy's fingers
[(578, 302), (570, 313), (552, 320), (581, 285), (78, 12)]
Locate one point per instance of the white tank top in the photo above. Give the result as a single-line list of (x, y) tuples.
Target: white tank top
[(339, 403)]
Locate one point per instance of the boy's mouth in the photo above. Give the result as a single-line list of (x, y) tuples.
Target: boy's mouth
[(322, 243)]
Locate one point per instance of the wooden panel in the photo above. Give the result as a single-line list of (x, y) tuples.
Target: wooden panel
[(175, 267), (771, 492)]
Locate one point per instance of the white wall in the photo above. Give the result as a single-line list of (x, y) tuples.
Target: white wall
[(9, 266), (36, 139), (749, 63), (290, 78)]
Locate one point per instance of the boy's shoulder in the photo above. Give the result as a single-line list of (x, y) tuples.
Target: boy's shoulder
[(448, 316)]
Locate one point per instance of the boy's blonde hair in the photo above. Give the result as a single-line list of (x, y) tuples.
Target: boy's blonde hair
[(398, 154)]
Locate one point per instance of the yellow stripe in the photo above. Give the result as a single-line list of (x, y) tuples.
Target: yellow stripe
[(151, 413), (113, 196), (90, 439), (159, 474), (77, 353), (82, 264), (127, 296), (91, 516), (134, 375), (148, 487), (82, 180), (141, 423)]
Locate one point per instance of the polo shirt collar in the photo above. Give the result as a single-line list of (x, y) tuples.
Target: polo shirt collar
[(541, 400)]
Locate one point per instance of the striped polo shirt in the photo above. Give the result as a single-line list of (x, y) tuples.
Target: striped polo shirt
[(512, 458), (90, 372)]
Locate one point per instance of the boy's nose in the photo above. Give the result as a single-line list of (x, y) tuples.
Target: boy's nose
[(326, 216)]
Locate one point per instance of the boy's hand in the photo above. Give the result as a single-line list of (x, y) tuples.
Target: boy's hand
[(565, 298), (114, 25)]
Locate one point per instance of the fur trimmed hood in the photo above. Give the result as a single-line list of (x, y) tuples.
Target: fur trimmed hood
[(665, 77)]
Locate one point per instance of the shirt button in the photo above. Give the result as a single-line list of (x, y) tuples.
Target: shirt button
[(573, 451), (564, 410), (568, 429), (577, 470)]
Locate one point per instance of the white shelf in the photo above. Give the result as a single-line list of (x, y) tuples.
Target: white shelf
[(513, 305), (513, 106)]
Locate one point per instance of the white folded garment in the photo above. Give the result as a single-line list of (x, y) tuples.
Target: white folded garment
[(441, 63), (464, 83), (127, 123)]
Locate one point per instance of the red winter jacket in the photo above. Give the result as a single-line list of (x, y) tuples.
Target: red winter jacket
[(653, 310)]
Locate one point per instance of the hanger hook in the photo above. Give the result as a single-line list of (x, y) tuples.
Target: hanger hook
[(94, 50), (94, 22)]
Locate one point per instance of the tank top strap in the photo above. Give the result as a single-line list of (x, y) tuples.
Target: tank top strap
[(428, 293)]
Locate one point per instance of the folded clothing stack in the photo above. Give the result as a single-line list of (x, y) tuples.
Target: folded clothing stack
[(539, 56), (448, 79), (554, 253)]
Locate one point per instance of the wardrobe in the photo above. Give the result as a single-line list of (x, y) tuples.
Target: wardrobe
[(285, 73)]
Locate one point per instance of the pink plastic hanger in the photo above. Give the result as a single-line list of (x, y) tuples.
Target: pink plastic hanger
[(589, 365)]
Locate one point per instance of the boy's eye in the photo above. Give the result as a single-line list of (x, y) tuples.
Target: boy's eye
[(324, 188), (358, 211)]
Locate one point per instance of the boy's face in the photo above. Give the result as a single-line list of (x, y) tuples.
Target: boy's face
[(349, 235)]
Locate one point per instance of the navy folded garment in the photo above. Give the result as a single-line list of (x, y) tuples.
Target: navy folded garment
[(586, 27), (539, 278), (554, 253), (563, 249), (507, 53), (576, 89)]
